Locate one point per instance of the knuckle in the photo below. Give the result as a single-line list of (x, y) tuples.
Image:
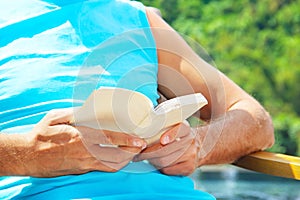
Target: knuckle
[(106, 137), (53, 113)]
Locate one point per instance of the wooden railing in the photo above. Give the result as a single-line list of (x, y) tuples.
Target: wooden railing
[(271, 163)]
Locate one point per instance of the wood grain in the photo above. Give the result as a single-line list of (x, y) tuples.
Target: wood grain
[(272, 163)]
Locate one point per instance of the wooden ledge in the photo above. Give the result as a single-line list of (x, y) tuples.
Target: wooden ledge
[(271, 163)]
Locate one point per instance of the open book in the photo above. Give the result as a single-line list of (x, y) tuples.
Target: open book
[(122, 110)]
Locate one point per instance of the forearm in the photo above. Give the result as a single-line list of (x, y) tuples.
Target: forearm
[(13, 150), (237, 133)]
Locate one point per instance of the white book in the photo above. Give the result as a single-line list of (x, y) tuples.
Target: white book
[(131, 112)]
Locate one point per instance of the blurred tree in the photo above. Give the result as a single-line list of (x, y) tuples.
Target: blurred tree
[(256, 43)]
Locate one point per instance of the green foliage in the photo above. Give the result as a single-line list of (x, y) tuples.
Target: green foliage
[(288, 134), (257, 44)]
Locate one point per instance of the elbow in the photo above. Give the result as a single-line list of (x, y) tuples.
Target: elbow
[(261, 129), (270, 131), (266, 130)]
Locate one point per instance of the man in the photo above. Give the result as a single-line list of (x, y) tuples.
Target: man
[(55, 53)]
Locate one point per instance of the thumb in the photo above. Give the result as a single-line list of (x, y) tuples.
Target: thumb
[(177, 131)]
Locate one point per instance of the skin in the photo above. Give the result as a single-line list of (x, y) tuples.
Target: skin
[(235, 125), (55, 148)]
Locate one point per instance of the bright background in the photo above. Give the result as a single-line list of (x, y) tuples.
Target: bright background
[(257, 44)]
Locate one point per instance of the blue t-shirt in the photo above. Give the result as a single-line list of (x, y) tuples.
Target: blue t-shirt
[(53, 54)]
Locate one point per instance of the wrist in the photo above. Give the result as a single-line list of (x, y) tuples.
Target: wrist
[(15, 153), (200, 134)]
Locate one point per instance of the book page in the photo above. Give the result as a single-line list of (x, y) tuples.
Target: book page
[(114, 109), (170, 112), (131, 112)]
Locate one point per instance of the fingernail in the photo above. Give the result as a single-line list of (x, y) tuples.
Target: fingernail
[(166, 139), (138, 143), (144, 145)]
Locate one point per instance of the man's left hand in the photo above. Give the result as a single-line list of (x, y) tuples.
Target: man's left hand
[(176, 153)]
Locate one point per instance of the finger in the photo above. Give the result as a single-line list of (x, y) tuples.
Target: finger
[(58, 134), (125, 140), (161, 162), (184, 165), (177, 131), (80, 159), (92, 136), (164, 150), (158, 150), (182, 168), (58, 116), (112, 154), (105, 137), (187, 154)]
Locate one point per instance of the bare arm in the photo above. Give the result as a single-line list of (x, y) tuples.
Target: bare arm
[(55, 148), (236, 124), (13, 149), (235, 134)]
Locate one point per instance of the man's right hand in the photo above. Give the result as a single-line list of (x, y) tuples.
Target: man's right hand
[(58, 148)]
